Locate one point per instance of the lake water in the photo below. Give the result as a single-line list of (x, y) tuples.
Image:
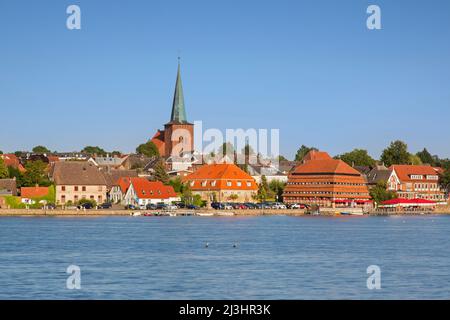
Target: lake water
[(275, 257)]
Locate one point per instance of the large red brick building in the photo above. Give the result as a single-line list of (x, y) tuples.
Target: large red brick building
[(177, 138), (326, 182)]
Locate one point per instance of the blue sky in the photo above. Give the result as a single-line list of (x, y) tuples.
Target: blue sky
[(309, 68)]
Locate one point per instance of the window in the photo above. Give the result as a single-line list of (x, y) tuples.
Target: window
[(203, 183), (239, 183), (75, 198), (213, 183), (63, 188), (83, 188), (228, 183), (75, 188), (63, 199), (249, 184)]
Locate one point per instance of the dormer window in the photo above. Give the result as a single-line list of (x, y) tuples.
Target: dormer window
[(213, 183), (239, 183), (204, 183), (228, 183)]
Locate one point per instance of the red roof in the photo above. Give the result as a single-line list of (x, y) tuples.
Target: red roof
[(33, 192), (11, 160), (404, 172), (219, 177), (151, 189)]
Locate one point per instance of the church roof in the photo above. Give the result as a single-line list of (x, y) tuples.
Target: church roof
[(178, 110)]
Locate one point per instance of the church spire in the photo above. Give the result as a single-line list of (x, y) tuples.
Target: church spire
[(178, 110)]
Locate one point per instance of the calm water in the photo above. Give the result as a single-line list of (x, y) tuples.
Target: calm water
[(276, 257)]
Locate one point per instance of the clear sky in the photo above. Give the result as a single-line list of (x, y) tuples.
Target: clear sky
[(309, 68)]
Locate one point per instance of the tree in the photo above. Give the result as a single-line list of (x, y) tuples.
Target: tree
[(15, 173), (357, 157), (282, 158), (263, 190), (148, 149), (35, 174), (1, 152), (226, 148), (444, 179), (396, 153), (415, 160), (41, 150), (177, 184), (248, 150), (94, 151), (277, 188), (160, 173), (379, 193), (426, 157), (303, 151), (3, 170)]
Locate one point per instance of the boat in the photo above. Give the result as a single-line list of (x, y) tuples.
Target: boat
[(204, 214), (135, 214), (225, 214)]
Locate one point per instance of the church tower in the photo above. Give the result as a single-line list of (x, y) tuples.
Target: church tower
[(178, 132)]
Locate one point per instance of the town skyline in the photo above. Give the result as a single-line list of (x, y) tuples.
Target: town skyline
[(324, 82)]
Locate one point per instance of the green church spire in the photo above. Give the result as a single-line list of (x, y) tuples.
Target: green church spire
[(178, 110)]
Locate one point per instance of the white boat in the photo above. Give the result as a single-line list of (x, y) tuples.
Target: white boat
[(204, 214), (135, 214), (225, 213)]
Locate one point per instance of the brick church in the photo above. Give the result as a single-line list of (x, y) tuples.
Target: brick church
[(177, 138)]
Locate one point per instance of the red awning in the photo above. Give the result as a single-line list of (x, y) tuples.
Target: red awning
[(411, 202)]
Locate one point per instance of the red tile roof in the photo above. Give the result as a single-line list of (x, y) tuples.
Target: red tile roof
[(219, 177), (11, 160), (33, 192), (149, 189), (404, 172)]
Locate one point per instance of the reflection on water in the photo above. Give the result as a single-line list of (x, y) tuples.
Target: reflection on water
[(274, 257)]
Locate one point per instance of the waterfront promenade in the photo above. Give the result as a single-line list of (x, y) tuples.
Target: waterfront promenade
[(121, 212)]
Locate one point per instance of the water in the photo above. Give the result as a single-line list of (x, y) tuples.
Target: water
[(275, 258)]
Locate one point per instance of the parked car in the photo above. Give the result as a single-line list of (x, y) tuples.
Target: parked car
[(86, 205), (250, 205), (106, 205), (131, 207), (172, 207), (192, 207), (279, 205), (161, 206), (180, 204), (217, 205), (151, 206)]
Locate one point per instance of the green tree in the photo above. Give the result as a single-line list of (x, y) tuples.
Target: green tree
[(226, 148), (148, 149), (177, 184), (357, 157), (160, 173), (282, 158), (414, 159), (264, 191), (277, 188), (444, 179), (3, 169), (303, 151), (396, 153), (41, 150), (426, 157), (35, 174), (1, 152), (94, 151), (379, 193), (15, 173)]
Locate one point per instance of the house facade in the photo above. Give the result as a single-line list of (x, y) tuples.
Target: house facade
[(78, 180), (415, 182), (222, 182), (326, 182), (141, 192)]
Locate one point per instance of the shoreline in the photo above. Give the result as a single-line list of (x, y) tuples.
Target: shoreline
[(237, 213)]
